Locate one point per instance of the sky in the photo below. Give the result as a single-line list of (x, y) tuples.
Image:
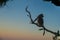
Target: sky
[(14, 22)]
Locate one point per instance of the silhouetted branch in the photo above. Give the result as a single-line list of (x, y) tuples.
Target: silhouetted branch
[(30, 17), (43, 28), (55, 2)]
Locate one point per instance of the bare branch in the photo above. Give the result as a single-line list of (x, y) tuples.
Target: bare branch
[(43, 28), (30, 16)]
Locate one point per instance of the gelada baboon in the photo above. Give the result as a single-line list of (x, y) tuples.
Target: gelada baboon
[(39, 20)]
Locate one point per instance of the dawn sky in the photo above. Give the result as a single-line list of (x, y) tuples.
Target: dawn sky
[(14, 22)]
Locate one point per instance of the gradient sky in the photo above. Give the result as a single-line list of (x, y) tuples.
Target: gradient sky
[(14, 22)]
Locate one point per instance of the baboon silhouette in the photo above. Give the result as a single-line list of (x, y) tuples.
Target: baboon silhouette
[(39, 20)]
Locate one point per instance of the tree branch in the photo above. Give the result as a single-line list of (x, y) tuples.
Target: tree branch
[(29, 15), (45, 29)]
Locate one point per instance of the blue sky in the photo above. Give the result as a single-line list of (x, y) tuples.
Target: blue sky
[(14, 17)]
